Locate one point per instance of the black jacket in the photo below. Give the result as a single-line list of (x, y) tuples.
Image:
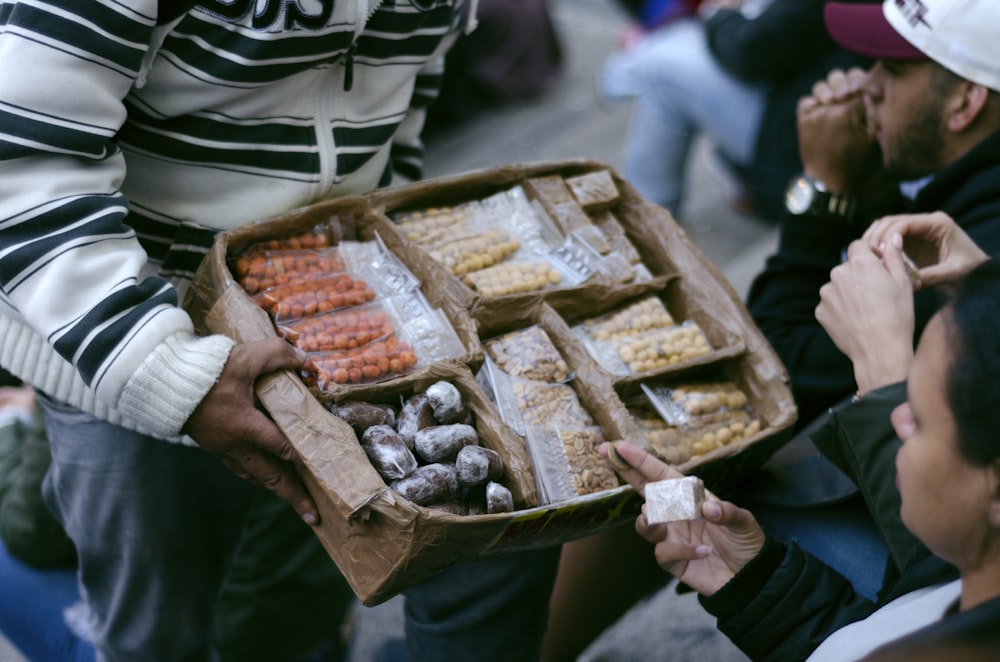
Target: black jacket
[(787, 49), (784, 603), (783, 298)]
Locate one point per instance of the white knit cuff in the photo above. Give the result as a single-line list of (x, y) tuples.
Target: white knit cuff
[(173, 380)]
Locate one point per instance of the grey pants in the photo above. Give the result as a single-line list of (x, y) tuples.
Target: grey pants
[(155, 525)]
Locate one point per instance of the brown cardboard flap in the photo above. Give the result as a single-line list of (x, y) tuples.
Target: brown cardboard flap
[(327, 446)]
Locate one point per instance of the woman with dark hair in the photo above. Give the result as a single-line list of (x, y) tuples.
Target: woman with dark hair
[(941, 518)]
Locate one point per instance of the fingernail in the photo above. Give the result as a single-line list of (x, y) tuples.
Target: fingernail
[(711, 510), (309, 518), (617, 461), (702, 551), (897, 240)]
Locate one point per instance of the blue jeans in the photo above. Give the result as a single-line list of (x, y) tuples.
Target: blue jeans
[(32, 611), (841, 535), (679, 92), (156, 525)]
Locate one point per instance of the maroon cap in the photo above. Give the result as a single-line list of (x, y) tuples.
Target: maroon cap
[(863, 29)]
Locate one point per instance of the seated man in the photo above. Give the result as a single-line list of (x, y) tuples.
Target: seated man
[(921, 110)]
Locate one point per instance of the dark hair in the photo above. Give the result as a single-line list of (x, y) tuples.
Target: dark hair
[(972, 324)]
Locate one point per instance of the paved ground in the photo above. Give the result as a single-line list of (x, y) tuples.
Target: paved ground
[(569, 122)]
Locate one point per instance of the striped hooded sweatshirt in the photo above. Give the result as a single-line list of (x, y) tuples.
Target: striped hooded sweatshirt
[(132, 131)]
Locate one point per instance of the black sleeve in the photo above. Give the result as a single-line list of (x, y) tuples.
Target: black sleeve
[(859, 438), (786, 36), (782, 302), (784, 604)]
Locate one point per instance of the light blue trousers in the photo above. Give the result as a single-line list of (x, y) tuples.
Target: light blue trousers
[(679, 91)]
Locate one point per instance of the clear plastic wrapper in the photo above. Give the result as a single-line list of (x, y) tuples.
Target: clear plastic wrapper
[(697, 403), (478, 249), (516, 276), (657, 349), (339, 330), (576, 259), (642, 273), (320, 295), (427, 330), (388, 453), (371, 343), (527, 218), (552, 404), (592, 236), (374, 262), (368, 269), (367, 364), (677, 445), (314, 238), (526, 402), (529, 353), (620, 244), (588, 470), (496, 384), (261, 270), (363, 415), (567, 463), (476, 465), (666, 440), (537, 230), (620, 270), (716, 418), (637, 317), (423, 225)]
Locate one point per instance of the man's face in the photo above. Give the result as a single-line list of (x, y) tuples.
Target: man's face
[(904, 101)]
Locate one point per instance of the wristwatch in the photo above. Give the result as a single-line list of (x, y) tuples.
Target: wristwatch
[(808, 195)]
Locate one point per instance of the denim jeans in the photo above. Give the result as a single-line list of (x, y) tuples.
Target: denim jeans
[(33, 606), (679, 92), (842, 535)]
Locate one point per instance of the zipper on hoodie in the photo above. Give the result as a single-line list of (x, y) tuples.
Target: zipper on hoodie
[(349, 66), (366, 10), (325, 145)]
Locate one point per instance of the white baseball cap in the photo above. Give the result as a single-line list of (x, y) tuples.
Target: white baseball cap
[(960, 35)]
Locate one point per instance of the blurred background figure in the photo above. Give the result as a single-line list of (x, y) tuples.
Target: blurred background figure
[(514, 54), (732, 70)]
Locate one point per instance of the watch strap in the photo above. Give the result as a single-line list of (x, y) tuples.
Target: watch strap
[(839, 206)]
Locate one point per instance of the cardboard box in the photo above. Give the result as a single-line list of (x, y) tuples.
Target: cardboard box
[(381, 542)]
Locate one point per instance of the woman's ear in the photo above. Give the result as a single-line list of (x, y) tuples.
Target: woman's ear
[(965, 105)]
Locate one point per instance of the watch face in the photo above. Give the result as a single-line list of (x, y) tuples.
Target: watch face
[(799, 196)]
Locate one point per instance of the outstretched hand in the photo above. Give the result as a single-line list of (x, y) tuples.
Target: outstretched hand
[(938, 246), (229, 424), (705, 553)]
